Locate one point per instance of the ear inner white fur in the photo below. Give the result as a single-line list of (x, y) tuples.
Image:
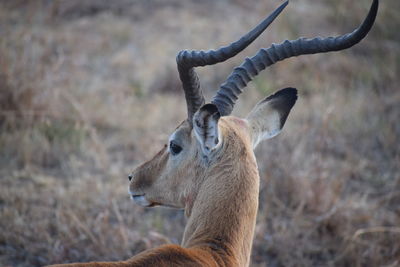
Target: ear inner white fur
[(267, 118), (205, 126)]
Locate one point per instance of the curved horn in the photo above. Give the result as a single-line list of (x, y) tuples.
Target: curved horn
[(228, 93), (188, 59)]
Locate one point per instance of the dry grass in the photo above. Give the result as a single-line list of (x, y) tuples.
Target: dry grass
[(88, 90)]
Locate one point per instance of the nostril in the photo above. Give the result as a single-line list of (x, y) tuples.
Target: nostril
[(130, 177)]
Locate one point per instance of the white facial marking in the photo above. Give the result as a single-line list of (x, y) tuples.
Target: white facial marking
[(172, 137), (141, 200)]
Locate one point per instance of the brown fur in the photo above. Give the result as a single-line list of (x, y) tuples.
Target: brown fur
[(221, 199)]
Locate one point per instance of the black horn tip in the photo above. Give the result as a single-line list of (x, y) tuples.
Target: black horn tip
[(370, 19), (286, 2)]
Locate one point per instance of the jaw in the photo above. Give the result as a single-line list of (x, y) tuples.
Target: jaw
[(141, 200)]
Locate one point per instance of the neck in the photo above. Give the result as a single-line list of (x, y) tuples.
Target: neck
[(223, 214)]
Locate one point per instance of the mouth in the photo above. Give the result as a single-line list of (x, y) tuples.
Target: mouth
[(141, 200)]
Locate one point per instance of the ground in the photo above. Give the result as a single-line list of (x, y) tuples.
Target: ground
[(89, 90)]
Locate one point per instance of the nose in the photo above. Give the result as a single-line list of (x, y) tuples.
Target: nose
[(130, 177)]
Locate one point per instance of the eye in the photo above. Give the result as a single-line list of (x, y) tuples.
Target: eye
[(174, 148)]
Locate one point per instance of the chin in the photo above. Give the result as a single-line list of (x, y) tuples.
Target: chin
[(142, 201)]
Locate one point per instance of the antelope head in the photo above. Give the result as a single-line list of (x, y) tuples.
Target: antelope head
[(211, 141)]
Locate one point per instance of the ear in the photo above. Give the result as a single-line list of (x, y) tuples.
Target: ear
[(267, 118), (205, 126)]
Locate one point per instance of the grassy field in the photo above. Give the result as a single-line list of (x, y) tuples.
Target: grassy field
[(89, 89)]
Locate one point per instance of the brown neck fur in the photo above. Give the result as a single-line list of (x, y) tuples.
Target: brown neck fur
[(223, 213)]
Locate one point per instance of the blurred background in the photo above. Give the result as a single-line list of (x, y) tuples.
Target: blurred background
[(89, 89)]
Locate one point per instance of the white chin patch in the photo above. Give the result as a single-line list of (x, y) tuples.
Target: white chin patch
[(141, 200)]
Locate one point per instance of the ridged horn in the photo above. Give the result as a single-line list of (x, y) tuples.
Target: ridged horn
[(229, 91)]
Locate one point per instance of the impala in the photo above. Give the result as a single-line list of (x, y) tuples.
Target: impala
[(208, 167)]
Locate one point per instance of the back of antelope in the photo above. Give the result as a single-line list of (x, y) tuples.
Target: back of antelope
[(208, 167)]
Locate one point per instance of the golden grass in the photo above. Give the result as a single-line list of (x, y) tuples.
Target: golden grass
[(88, 90)]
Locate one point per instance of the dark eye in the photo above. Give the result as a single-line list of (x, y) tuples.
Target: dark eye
[(174, 148)]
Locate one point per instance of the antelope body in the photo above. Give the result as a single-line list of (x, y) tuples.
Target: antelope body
[(208, 167)]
